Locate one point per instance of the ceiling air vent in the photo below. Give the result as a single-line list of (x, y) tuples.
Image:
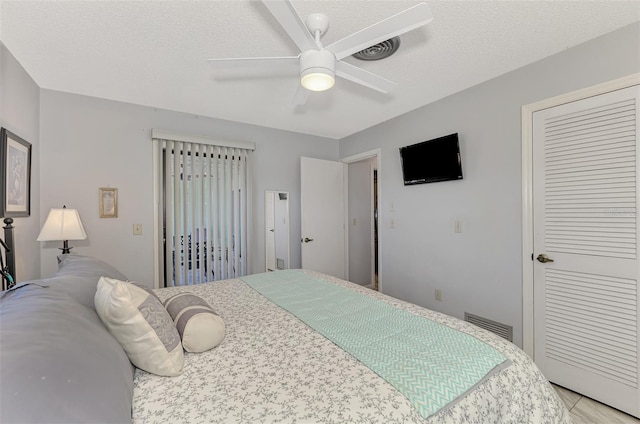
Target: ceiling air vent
[(380, 50), (502, 330)]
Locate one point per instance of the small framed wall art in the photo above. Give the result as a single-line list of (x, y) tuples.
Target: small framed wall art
[(108, 202), (15, 179)]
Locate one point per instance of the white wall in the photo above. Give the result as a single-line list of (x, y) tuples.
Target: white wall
[(359, 220), (88, 143), (478, 270), (20, 114)]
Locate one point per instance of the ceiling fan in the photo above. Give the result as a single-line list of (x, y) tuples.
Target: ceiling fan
[(319, 65)]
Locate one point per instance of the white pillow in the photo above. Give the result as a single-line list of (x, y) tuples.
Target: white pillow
[(200, 328), (137, 319)]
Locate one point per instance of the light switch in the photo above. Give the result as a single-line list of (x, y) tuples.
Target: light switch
[(137, 229), (438, 295), (458, 226)]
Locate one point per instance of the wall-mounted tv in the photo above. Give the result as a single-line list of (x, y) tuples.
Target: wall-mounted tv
[(432, 160)]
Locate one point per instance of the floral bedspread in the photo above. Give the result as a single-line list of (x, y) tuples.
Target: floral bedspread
[(272, 368)]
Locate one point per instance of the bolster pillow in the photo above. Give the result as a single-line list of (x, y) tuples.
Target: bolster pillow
[(200, 328)]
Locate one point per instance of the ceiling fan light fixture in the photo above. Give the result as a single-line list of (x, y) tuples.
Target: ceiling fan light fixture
[(317, 70), (317, 81)]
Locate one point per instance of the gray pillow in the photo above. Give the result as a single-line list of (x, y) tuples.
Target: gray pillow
[(59, 363), (78, 277), (85, 265)]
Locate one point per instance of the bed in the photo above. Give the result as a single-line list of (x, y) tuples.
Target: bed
[(59, 363)]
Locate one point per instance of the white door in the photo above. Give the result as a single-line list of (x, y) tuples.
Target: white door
[(322, 185), (585, 191)]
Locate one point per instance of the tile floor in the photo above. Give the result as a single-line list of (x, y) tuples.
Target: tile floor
[(587, 411)]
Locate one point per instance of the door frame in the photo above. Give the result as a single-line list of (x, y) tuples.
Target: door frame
[(374, 153), (527, 191)]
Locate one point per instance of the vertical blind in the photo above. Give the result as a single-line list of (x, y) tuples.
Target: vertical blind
[(205, 211)]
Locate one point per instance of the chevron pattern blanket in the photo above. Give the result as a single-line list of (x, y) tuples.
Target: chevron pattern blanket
[(431, 364)]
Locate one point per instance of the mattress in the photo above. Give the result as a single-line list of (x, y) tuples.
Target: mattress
[(272, 367)]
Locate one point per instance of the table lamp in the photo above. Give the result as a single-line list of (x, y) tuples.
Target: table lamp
[(63, 224)]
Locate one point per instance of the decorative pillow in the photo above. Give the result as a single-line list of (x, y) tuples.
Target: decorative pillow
[(200, 328), (143, 327)]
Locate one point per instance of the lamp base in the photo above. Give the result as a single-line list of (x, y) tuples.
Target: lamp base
[(65, 247)]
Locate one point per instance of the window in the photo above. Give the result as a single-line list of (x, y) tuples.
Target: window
[(203, 209)]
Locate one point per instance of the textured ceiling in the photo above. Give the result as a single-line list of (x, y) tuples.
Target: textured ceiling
[(153, 53)]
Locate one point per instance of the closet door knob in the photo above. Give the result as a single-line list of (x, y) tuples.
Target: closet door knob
[(544, 258)]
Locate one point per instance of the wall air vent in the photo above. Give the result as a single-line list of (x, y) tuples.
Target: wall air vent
[(502, 330)]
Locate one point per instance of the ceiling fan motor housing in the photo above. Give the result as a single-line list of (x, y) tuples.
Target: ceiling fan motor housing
[(317, 69), (317, 23)]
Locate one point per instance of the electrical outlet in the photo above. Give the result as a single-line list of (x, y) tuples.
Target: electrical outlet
[(137, 229), (438, 295)]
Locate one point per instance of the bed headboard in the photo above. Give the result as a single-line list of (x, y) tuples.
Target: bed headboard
[(8, 264)]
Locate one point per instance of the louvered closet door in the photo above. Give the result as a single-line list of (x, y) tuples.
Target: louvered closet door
[(585, 220)]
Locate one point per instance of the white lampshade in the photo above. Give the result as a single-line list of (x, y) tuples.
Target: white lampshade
[(62, 224)]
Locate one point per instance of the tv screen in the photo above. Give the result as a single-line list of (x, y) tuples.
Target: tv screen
[(432, 160)]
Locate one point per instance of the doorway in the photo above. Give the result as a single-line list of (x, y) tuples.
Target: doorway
[(324, 217), (362, 221), (276, 222)]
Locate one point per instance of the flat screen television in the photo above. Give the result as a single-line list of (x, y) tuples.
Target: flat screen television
[(432, 161)]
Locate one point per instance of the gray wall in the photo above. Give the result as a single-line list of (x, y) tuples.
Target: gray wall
[(88, 143), (478, 270), (20, 114)]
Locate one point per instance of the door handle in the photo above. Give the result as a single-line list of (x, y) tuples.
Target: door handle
[(306, 240), (544, 258)]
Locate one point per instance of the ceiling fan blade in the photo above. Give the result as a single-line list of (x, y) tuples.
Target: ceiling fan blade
[(292, 59), (362, 77), (292, 23), (301, 96), (393, 26), (263, 64)]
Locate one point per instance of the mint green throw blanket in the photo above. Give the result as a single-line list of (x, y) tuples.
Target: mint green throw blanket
[(431, 364)]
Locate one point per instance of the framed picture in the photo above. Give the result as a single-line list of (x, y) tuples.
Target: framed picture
[(15, 181), (108, 203)]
